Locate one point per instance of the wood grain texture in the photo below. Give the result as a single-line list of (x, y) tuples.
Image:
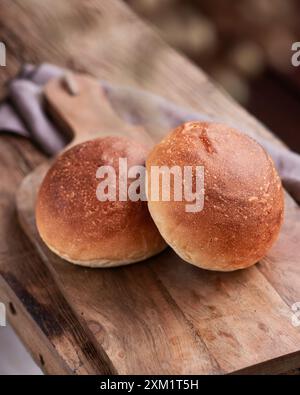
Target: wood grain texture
[(128, 311), (40, 313), (176, 319), (83, 115), (106, 39), (222, 322)]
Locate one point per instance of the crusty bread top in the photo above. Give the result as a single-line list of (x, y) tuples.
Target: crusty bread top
[(76, 225), (243, 206)]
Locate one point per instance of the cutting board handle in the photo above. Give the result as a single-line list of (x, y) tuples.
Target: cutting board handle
[(81, 109)]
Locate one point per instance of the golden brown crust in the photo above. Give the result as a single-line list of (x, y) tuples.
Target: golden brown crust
[(77, 226), (243, 206)]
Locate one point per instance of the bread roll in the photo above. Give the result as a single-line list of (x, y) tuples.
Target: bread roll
[(243, 197), (81, 229)]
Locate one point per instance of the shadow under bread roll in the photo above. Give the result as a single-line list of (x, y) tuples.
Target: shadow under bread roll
[(243, 200), (84, 230)]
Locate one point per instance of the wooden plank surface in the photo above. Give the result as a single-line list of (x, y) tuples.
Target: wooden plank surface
[(177, 318), (106, 39), (126, 308)]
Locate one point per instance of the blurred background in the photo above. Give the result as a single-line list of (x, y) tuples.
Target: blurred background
[(245, 46)]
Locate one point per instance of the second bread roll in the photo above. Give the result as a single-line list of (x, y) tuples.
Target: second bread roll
[(243, 197)]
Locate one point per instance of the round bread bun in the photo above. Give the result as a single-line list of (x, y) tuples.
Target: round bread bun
[(77, 226), (243, 197)]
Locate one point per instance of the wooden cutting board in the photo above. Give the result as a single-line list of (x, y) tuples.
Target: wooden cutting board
[(164, 316)]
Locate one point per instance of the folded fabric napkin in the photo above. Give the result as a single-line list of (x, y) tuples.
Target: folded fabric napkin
[(23, 114)]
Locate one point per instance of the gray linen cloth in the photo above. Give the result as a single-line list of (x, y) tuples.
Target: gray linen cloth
[(23, 114)]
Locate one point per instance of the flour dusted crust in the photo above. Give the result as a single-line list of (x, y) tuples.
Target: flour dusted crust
[(244, 202), (81, 229)]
